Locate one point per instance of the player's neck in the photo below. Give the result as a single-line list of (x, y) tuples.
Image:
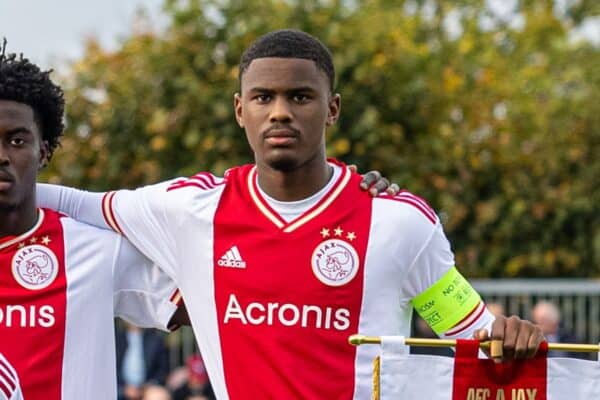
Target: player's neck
[(294, 185), (18, 220)]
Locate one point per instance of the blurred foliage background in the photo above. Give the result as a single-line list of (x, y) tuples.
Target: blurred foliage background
[(492, 116)]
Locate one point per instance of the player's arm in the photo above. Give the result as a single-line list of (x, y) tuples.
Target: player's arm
[(453, 308), (81, 205), (140, 215), (440, 294)]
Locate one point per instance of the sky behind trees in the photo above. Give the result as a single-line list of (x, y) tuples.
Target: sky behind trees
[(52, 32)]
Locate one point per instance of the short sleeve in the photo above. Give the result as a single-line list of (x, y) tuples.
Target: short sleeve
[(143, 217), (431, 263), (143, 294)]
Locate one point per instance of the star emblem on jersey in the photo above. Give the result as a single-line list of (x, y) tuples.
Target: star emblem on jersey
[(232, 259), (34, 267), (335, 262)]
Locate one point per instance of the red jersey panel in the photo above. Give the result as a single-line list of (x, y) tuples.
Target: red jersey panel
[(33, 307), (289, 300)]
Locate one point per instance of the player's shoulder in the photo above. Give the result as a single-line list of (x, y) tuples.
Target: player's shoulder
[(200, 182), (408, 205), (209, 182)]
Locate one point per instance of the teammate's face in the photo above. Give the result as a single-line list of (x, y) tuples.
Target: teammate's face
[(22, 152), (284, 106)]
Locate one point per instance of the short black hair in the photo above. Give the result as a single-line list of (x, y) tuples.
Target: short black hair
[(24, 82), (290, 43)]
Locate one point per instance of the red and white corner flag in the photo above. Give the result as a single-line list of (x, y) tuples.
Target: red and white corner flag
[(467, 377)]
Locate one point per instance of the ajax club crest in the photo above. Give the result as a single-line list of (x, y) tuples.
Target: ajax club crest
[(35, 267), (335, 261)]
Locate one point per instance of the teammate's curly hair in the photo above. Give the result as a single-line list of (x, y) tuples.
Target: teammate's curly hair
[(290, 43), (24, 82)]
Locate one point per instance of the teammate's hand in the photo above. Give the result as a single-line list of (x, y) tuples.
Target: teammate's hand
[(375, 183), (520, 338)]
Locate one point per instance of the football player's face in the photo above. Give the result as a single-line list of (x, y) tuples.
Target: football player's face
[(284, 106), (22, 153)]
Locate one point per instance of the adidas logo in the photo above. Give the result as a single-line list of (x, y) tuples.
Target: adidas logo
[(232, 259)]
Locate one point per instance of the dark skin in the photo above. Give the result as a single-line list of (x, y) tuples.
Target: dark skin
[(180, 317), (285, 107), (22, 154)]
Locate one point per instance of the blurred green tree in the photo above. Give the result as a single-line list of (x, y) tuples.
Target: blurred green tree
[(493, 116)]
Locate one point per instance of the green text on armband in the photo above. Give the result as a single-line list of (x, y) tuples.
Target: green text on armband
[(446, 302)]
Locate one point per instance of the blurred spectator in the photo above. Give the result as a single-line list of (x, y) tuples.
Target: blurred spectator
[(177, 378), (496, 308), (156, 392), (197, 385), (142, 357), (547, 316)]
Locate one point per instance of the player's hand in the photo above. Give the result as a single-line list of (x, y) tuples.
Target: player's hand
[(520, 338), (179, 318), (375, 183)]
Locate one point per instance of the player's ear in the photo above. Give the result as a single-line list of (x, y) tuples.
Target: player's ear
[(237, 106), (335, 105), (44, 153)]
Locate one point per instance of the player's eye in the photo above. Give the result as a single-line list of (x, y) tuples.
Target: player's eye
[(263, 98), (301, 98), (17, 141)]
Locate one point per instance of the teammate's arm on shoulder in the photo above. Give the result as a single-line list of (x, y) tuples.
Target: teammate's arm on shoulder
[(375, 183)]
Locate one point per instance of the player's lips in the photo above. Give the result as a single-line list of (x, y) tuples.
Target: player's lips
[(6, 177), (6, 180), (281, 135)]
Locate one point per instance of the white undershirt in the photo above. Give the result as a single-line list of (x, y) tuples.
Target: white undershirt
[(289, 210)]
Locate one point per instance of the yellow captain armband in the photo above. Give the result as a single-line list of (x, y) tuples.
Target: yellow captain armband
[(446, 302)]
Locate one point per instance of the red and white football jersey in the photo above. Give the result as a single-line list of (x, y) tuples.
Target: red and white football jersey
[(10, 387), (273, 301), (61, 285)]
